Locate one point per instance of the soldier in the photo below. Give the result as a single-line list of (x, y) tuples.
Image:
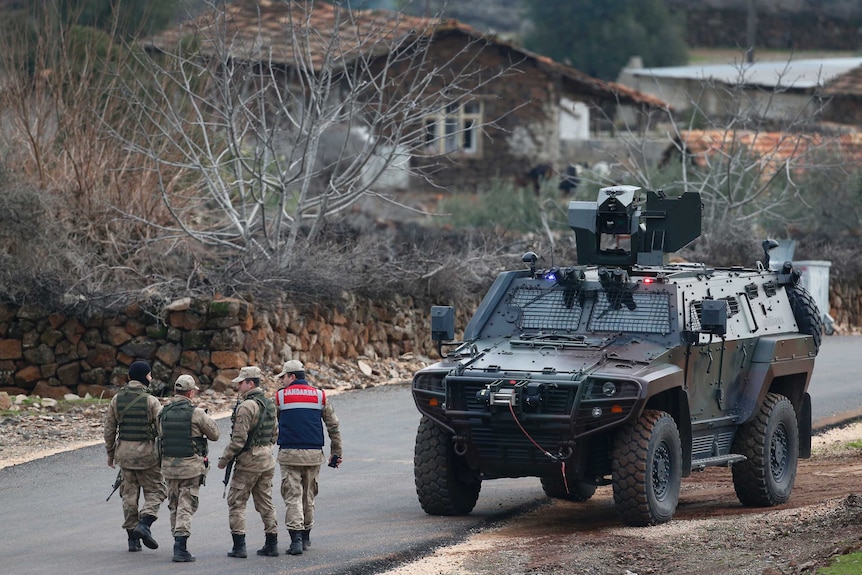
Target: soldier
[(303, 410), (252, 436), (130, 432), (185, 430)]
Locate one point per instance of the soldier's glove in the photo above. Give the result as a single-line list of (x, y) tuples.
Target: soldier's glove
[(334, 461)]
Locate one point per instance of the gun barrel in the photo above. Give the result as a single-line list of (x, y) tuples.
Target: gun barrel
[(117, 482)]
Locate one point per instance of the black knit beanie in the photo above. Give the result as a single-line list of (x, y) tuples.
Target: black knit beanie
[(138, 371)]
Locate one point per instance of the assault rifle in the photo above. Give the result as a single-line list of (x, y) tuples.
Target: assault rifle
[(117, 482), (227, 471), (229, 468)]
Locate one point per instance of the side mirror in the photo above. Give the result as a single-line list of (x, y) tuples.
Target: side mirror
[(442, 323)]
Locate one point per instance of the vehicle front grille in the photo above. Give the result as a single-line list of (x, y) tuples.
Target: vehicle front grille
[(500, 440)]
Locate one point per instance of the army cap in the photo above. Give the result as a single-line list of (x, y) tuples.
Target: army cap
[(185, 382), (248, 372), (291, 366)]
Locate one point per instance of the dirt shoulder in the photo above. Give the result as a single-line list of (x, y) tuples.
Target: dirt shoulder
[(711, 533)]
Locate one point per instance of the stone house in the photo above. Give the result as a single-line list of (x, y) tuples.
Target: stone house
[(844, 95), (508, 125)]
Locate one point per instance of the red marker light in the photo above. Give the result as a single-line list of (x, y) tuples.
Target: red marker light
[(648, 280)]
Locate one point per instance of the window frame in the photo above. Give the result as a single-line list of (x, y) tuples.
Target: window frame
[(456, 129)]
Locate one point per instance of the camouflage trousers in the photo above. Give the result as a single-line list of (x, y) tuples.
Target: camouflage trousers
[(298, 489), (257, 485), (152, 483), (183, 503)]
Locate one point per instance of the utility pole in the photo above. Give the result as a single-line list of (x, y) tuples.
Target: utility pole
[(750, 31)]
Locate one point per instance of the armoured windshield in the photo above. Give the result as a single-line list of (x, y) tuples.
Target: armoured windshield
[(554, 309)]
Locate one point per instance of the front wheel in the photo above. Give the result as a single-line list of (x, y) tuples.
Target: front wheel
[(770, 442), (444, 483), (647, 469)]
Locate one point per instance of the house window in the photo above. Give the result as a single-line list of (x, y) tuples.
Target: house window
[(454, 130)]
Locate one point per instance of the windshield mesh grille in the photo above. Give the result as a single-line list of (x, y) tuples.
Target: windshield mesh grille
[(545, 309), (650, 313)]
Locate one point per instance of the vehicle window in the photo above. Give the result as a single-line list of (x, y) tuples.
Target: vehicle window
[(643, 312), (546, 309)]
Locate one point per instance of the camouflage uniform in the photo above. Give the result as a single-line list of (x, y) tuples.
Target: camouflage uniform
[(303, 412), (254, 469), (185, 475), (137, 459), (300, 469)]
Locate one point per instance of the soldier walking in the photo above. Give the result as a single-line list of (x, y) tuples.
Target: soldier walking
[(303, 410), (129, 433), (185, 430), (252, 436)]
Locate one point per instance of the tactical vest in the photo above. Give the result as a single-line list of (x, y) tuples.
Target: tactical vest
[(177, 440), (261, 433), (132, 415)]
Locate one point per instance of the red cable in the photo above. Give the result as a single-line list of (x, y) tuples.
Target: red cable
[(539, 447)]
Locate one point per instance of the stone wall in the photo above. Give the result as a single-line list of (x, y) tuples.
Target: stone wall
[(845, 301), (52, 354)]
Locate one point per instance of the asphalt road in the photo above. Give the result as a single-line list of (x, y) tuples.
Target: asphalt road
[(836, 393), (54, 517)]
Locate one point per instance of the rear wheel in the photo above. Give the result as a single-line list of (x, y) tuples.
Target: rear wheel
[(444, 483), (571, 489), (770, 442), (647, 469)]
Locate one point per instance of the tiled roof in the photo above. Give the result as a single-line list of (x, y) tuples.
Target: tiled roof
[(261, 30), (775, 150), (258, 30), (847, 84)]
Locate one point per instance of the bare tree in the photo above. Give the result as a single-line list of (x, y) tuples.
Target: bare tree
[(53, 75), (261, 127), (753, 159)]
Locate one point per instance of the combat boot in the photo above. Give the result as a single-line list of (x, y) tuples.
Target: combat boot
[(306, 539), (295, 542), (134, 542), (238, 546), (181, 554), (270, 548), (143, 531)]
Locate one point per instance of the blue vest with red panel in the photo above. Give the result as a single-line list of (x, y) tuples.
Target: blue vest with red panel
[(300, 416)]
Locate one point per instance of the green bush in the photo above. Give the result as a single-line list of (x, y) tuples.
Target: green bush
[(501, 205)]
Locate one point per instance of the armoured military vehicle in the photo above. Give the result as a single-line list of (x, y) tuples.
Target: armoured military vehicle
[(624, 369)]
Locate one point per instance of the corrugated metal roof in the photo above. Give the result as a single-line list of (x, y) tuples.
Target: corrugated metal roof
[(793, 74), (272, 30)]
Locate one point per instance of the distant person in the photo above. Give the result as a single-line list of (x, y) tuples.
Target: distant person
[(184, 430), (130, 433), (303, 410), (570, 179), (253, 433)]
